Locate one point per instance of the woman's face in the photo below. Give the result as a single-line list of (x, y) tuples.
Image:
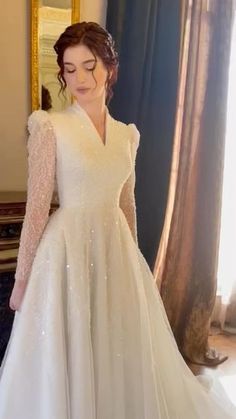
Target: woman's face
[(80, 70)]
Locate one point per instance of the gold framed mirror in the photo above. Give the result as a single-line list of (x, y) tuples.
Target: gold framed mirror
[(49, 18)]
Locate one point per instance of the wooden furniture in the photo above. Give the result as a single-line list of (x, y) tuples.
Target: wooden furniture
[(12, 211)]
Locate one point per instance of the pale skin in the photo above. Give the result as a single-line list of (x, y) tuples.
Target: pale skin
[(80, 66)]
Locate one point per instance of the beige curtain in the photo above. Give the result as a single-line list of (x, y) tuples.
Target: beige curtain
[(185, 268), (224, 313)]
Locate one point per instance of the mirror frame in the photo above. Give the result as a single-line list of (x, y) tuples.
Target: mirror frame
[(75, 5)]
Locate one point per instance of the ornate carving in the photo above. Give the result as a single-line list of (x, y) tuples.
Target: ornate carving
[(34, 55), (75, 17)]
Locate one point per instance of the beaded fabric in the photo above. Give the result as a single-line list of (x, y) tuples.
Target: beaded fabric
[(41, 184), (41, 148), (91, 338), (127, 197)]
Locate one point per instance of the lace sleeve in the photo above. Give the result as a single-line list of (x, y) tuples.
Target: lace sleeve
[(127, 197), (41, 148)]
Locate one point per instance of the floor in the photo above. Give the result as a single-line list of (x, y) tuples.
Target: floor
[(226, 372)]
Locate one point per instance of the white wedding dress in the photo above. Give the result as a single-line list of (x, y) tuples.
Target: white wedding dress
[(91, 339)]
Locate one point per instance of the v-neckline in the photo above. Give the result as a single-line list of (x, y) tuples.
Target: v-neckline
[(79, 108)]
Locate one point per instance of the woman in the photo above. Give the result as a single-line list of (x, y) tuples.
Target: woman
[(90, 338)]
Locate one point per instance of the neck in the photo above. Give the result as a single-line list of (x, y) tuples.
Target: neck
[(96, 110)]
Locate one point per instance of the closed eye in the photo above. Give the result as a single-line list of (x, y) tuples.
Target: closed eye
[(88, 69), (91, 69)]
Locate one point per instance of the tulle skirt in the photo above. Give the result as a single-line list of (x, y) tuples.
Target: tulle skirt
[(92, 339)]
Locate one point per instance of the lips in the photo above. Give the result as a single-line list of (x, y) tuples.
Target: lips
[(82, 89)]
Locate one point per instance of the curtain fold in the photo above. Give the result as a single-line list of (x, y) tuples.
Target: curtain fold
[(147, 36), (224, 313), (185, 267)]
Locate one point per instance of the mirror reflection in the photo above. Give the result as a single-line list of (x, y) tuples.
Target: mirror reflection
[(53, 17)]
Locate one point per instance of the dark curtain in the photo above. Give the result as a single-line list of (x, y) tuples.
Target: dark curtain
[(147, 36)]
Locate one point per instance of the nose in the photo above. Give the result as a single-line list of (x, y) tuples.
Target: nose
[(80, 76)]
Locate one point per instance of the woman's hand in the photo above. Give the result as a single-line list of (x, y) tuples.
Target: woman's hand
[(17, 294)]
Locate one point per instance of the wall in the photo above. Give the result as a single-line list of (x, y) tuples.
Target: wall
[(15, 94), (93, 11), (15, 98)]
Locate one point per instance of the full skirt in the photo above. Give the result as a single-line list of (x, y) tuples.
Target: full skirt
[(92, 339)]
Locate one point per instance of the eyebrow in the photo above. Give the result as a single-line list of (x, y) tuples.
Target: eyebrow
[(84, 62)]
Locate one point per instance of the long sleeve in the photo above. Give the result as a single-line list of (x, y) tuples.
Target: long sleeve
[(41, 148), (127, 197)]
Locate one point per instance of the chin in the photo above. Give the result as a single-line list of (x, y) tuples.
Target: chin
[(89, 98)]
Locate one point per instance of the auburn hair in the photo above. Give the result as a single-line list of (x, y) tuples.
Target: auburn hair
[(100, 43)]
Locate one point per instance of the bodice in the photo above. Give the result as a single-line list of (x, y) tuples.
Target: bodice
[(89, 173)]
